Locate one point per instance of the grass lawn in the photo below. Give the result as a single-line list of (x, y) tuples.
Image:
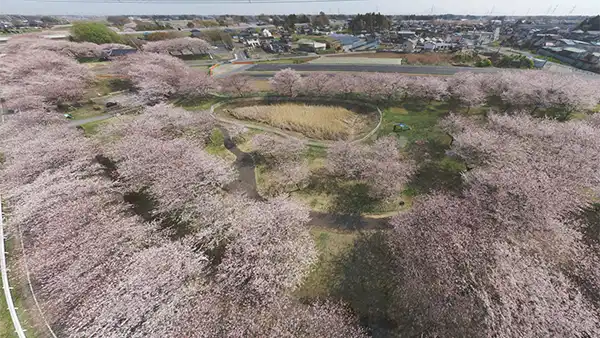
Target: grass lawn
[(87, 111), (261, 85), (347, 197), (196, 104), (91, 128), (313, 121), (216, 146), (6, 325), (421, 118), (425, 143), (329, 244)]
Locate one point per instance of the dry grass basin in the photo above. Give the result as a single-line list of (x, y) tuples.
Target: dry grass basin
[(315, 120)]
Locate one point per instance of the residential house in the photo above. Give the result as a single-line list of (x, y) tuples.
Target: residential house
[(266, 33), (346, 41), (405, 35), (308, 45), (409, 45), (251, 42), (116, 52), (429, 46)]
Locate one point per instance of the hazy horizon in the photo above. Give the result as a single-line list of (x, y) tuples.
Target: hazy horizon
[(389, 7)]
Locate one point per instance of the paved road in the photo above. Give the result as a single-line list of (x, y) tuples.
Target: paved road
[(433, 70), (8, 297), (201, 29)]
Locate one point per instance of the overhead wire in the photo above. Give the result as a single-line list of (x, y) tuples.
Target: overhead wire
[(198, 2)]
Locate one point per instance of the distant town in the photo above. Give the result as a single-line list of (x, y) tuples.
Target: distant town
[(561, 43)]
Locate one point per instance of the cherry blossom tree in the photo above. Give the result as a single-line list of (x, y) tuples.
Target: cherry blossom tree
[(155, 76), (284, 318), (162, 121), (32, 80), (347, 159), (317, 84), (381, 165), (196, 83), (386, 170), (67, 48), (186, 170), (35, 150), (507, 246), (452, 248), (268, 256), (465, 89), (158, 76), (428, 88), (236, 85), (287, 82), (179, 45), (380, 86), (277, 149), (283, 157), (344, 85)]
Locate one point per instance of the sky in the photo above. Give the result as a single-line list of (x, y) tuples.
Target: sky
[(476, 7)]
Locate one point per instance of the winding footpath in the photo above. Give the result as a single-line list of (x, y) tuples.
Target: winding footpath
[(246, 183)]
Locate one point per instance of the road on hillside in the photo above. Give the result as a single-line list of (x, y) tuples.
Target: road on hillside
[(200, 29), (307, 67)]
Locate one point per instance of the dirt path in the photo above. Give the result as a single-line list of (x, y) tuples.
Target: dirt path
[(246, 183)]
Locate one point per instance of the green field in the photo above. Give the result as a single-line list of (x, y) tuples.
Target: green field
[(6, 325)]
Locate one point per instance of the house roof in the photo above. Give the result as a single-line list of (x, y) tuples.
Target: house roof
[(574, 50), (305, 42), (567, 42), (345, 39), (581, 42)]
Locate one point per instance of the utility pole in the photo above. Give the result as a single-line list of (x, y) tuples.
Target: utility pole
[(2, 100)]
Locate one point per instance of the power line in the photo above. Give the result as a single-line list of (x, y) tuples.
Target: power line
[(198, 2)]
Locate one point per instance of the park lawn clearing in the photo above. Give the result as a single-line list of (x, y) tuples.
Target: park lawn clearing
[(18, 292), (330, 244), (216, 146), (91, 128), (87, 111), (421, 118), (261, 85), (342, 196), (313, 121), (196, 104)]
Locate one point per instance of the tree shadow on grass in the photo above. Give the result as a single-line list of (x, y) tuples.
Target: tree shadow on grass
[(363, 278), (436, 176), (347, 198)]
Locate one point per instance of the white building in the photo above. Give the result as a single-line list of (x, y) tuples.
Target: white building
[(252, 43), (266, 33)]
